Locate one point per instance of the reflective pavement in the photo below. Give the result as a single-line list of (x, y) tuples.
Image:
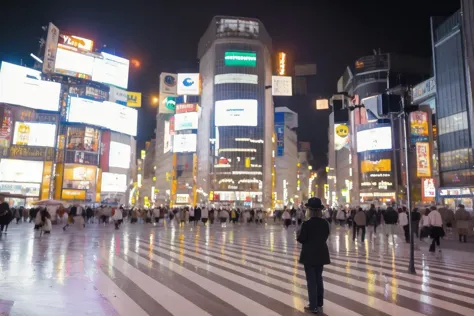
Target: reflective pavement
[(233, 270)]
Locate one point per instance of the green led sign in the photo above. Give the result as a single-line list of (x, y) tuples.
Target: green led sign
[(240, 59)]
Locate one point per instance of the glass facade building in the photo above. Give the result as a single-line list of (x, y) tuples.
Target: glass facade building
[(236, 122)]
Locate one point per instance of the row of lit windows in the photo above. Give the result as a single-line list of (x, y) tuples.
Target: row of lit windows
[(453, 123), (456, 159)]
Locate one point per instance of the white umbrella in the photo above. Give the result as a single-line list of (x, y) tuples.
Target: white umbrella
[(48, 202)]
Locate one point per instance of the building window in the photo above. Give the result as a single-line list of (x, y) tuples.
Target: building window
[(456, 159), (453, 123)]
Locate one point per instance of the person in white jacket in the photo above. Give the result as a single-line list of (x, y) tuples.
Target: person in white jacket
[(403, 222), (204, 215), (437, 231), (286, 217), (117, 217)]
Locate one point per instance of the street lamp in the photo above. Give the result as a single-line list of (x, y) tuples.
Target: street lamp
[(155, 100)]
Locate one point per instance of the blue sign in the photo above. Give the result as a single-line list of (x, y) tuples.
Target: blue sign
[(280, 133), (188, 82)]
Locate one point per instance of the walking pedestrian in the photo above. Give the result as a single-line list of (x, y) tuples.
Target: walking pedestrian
[(425, 225), (463, 219), (197, 215), (437, 230), (5, 217), (117, 216), (314, 253), (415, 221), (360, 222), (204, 215), (286, 217), (403, 222), (390, 216)]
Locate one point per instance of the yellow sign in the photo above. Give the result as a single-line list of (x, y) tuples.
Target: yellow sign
[(69, 194), (281, 64), (423, 164), (382, 165), (142, 154), (33, 153), (134, 99), (48, 166)]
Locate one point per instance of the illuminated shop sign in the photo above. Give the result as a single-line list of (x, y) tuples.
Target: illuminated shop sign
[(240, 59)]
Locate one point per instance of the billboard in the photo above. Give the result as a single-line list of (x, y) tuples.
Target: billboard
[(26, 189), (236, 78), (184, 121), (281, 86), (168, 83), (75, 64), (189, 84), (167, 138), (281, 63), (105, 114), (167, 103), (113, 182), (184, 143), (186, 107), (322, 104), (240, 59), (118, 95), (428, 188), (236, 113), (119, 155), (134, 99), (423, 164), (280, 132), (23, 86), (34, 134), (80, 43), (379, 138), (419, 126), (111, 69), (341, 136), (370, 166), (50, 48), (14, 170)]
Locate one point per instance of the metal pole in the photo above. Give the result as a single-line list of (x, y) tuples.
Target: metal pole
[(411, 265), (394, 159)]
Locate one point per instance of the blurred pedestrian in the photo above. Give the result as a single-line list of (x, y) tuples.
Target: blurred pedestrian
[(437, 230), (360, 222), (463, 219)]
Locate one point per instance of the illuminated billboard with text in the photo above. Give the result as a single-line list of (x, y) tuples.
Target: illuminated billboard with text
[(34, 134), (184, 143), (341, 136), (240, 59), (374, 139), (236, 113), (119, 155), (185, 121), (113, 182), (15, 170)]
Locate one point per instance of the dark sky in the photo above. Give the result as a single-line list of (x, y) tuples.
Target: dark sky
[(164, 36)]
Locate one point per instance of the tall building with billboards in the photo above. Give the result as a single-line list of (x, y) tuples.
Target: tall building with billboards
[(236, 119), (453, 59)]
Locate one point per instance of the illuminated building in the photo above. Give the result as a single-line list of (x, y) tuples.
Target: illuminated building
[(88, 156), (453, 63), (286, 157), (235, 132)]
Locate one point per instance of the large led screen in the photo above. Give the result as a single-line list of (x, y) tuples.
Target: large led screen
[(341, 136), (113, 182), (379, 138), (240, 59), (106, 114), (236, 113), (21, 86), (15, 170), (74, 64), (184, 143), (79, 177), (184, 121), (111, 70), (34, 134), (119, 155)]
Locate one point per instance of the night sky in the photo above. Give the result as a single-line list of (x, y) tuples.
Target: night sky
[(164, 35)]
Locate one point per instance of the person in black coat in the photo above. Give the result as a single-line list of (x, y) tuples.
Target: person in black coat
[(315, 253), (5, 217)]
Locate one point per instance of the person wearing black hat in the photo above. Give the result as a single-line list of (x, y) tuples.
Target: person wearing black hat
[(314, 253)]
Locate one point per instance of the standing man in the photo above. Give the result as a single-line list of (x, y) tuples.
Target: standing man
[(390, 218), (314, 253), (360, 221)]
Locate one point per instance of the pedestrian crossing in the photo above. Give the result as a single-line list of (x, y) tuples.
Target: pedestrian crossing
[(243, 270)]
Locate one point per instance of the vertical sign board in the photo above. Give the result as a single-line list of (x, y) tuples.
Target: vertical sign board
[(195, 169), (423, 160), (50, 49), (419, 127), (280, 132)]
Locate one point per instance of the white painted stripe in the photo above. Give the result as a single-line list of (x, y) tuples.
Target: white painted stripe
[(329, 307), (373, 273), (425, 281), (381, 290), (170, 300), (239, 301), (122, 303)]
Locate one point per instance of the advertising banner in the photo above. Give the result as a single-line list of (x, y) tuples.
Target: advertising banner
[(341, 136), (168, 83), (428, 189), (32, 153), (189, 84), (80, 43), (240, 59), (374, 139), (375, 172), (236, 113), (46, 183), (282, 86), (111, 69), (184, 143), (423, 164), (14, 170), (185, 121), (69, 194), (167, 103), (280, 133), (119, 155), (186, 107), (113, 182), (134, 99), (72, 63), (419, 126), (167, 138), (382, 165), (322, 104), (118, 95), (182, 198), (50, 48), (172, 132), (34, 134), (236, 78), (6, 128), (26, 189)]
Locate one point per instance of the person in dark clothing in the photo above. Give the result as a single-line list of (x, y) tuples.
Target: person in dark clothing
[(314, 253), (5, 217), (372, 217), (415, 221), (197, 215), (89, 214), (390, 216)]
